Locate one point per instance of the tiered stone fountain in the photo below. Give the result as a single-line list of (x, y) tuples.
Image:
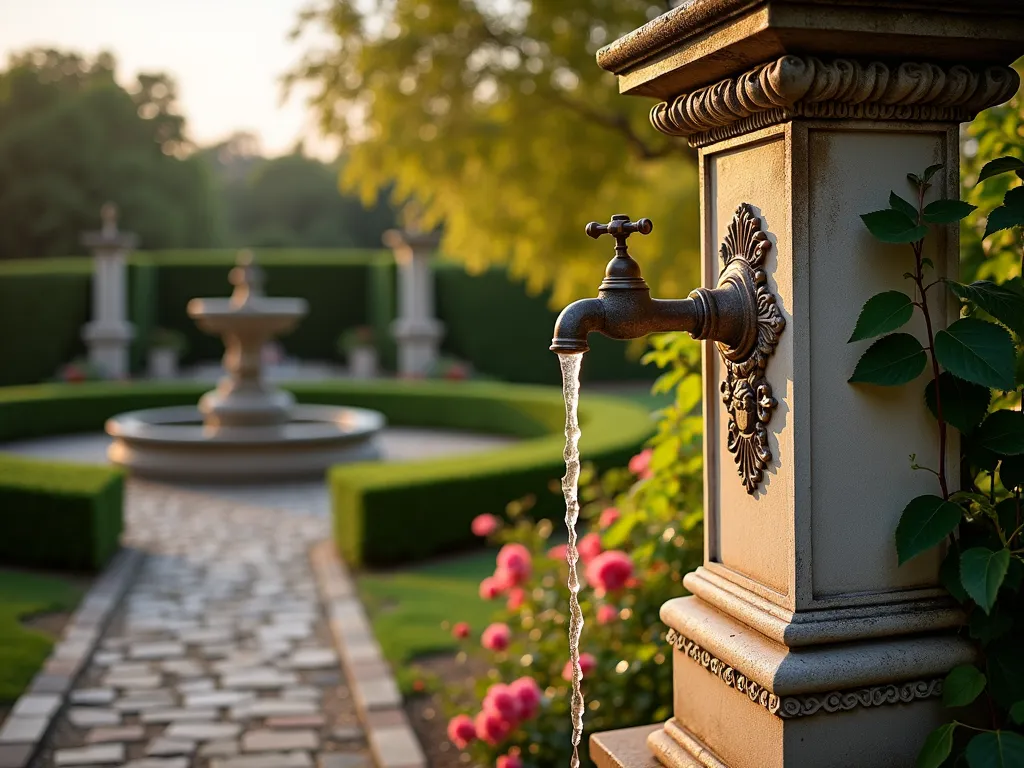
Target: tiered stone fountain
[(245, 429)]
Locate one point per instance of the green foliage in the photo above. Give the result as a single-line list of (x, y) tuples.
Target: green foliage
[(892, 360), (656, 520), (22, 650), (893, 225), (978, 352), (72, 138), (55, 515), (465, 110), (962, 685), (390, 513), (883, 313), (982, 521)]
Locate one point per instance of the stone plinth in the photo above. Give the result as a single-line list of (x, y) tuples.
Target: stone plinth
[(416, 330), (108, 336), (805, 643)]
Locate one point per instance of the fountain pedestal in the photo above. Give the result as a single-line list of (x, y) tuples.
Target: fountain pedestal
[(244, 430), (805, 643)]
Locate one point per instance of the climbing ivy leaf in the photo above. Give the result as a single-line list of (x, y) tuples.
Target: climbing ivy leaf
[(1002, 433), (897, 203), (998, 166), (964, 404), (977, 351), (936, 747), (1003, 218), (1017, 713), (883, 313), (925, 522), (892, 226), (1004, 302), (947, 211), (930, 171), (982, 572), (892, 360), (995, 749), (962, 685)]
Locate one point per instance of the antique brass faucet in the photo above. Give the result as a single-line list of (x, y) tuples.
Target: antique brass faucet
[(740, 315)]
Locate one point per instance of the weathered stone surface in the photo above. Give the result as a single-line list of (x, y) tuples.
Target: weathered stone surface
[(217, 698), (272, 708), (98, 754), (296, 721), (116, 733), (268, 740), (223, 748), (202, 731), (179, 715), (36, 705), (89, 717), (164, 746), (280, 760), (92, 696)]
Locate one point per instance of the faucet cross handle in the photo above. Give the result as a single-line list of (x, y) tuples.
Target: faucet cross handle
[(620, 227)]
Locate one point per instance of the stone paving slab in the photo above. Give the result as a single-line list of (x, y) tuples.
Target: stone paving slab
[(219, 656)]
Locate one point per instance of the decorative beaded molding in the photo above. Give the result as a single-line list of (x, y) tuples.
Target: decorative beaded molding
[(805, 86), (808, 704)]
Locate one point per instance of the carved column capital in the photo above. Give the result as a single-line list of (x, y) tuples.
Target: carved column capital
[(806, 86)]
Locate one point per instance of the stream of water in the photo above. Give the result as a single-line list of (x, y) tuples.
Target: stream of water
[(570, 487)]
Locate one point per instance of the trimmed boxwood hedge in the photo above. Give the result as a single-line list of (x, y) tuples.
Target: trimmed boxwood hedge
[(389, 512), (57, 515)]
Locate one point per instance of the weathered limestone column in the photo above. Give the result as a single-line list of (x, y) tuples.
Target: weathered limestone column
[(108, 336), (804, 643), (416, 330)]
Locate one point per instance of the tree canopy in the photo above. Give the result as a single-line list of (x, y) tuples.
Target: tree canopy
[(72, 138), (494, 119)]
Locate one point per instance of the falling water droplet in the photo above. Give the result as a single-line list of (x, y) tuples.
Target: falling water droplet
[(570, 487)]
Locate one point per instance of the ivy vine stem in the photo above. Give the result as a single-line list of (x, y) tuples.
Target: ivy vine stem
[(923, 292)]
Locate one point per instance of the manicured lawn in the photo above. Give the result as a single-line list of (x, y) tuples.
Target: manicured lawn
[(407, 607), (23, 650)]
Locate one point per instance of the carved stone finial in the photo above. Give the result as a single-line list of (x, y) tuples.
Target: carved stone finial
[(247, 277)]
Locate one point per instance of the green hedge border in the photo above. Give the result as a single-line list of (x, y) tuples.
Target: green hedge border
[(59, 515), (393, 512)]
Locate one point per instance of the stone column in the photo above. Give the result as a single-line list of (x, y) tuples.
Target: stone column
[(804, 643), (416, 330), (108, 336)]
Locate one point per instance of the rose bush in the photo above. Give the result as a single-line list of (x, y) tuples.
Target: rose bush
[(642, 532)]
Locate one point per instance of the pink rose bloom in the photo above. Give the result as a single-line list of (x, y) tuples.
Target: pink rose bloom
[(516, 598), (500, 699), (528, 692), (510, 760), (587, 664), (461, 630), (461, 731), (640, 465), (515, 562), (496, 637), (557, 552), (484, 525), (608, 517), (589, 547), (490, 588), (610, 571), (606, 614), (491, 727)]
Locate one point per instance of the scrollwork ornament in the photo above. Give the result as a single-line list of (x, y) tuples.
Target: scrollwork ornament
[(746, 393)]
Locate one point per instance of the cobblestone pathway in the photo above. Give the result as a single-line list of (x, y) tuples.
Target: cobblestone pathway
[(220, 656)]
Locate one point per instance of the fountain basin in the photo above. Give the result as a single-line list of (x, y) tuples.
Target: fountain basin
[(173, 444)]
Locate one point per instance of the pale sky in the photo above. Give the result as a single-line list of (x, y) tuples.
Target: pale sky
[(227, 56)]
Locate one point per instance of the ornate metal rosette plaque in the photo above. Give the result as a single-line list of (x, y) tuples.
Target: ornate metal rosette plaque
[(745, 391)]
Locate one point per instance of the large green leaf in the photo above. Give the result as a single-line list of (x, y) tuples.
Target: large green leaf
[(962, 685), (1003, 218), (883, 313), (964, 404), (977, 351), (1002, 433), (892, 360), (1000, 165), (925, 522), (1011, 472), (947, 211), (897, 203), (949, 575), (996, 749), (1004, 302), (982, 572), (1017, 713), (936, 747), (891, 226)]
